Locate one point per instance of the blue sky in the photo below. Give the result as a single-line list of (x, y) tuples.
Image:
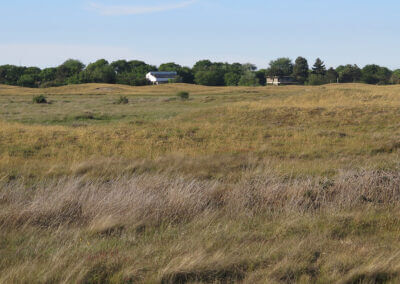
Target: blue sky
[(47, 32)]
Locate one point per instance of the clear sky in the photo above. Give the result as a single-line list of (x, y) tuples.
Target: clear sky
[(47, 32)]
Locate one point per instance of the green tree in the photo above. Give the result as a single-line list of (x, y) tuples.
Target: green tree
[(209, 78), (121, 66), (237, 68), (384, 75), (319, 67), (225, 73), (131, 72), (375, 74), (249, 78), (68, 69), (280, 67), (331, 75), (301, 70), (170, 67), (30, 73), (249, 67), (232, 79), (202, 65), (10, 74), (48, 75), (77, 79), (97, 65), (34, 71), (98, 72), (131, 79), (395, 79), (261, 75), (349, 73), (317, 79), (26, 80), (210, 73), (185, 73), (140, 69)]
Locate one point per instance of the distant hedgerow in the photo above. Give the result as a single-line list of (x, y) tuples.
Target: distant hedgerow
[(39, 100), (183, 95)]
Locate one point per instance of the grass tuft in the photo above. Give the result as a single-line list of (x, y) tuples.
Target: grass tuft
[(183, 95), (41, 99), (122, 100)]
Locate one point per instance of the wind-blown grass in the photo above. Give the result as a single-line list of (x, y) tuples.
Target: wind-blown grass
[(173, 229)]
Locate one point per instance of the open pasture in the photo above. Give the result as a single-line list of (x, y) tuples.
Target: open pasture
[(251, 184)]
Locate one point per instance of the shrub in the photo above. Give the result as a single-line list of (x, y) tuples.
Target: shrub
[(317, 79), (183, 95), (39, 100), (122, 100)]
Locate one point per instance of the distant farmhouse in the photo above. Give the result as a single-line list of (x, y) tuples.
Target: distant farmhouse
[(281, 80), (158, 78)]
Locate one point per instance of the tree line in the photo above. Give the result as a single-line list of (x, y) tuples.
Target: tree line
[(204, 72)]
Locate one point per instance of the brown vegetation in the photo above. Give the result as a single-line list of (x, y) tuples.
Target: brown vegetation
[(253, 185)]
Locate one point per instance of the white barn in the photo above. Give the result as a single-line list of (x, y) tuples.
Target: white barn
[(158, 78)]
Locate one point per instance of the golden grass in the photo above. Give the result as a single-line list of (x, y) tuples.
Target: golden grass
[(118, 89), (302, 130), (173, 229), (237, 184)]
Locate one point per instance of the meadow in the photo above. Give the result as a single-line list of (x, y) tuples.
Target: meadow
[(293, 184)]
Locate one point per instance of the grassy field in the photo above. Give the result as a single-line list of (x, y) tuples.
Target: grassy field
[(237, 184)]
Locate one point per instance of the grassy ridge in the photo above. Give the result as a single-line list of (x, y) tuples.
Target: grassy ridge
[(265, 184)]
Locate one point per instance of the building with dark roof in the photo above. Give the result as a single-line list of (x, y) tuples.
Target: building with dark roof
[(158, 78)]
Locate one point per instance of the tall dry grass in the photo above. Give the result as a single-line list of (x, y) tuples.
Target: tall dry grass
[(163, 229), (161, 199)]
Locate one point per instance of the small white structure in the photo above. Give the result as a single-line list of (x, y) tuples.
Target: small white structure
[(158, 78), (281, 80)]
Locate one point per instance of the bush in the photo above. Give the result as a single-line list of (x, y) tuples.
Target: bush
[(40, 100), (122, 100), (317, 79), (183, 95)]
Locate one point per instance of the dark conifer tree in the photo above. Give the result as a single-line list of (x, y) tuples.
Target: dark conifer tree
[(319, 67)]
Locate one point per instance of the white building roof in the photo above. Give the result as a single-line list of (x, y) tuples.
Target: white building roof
[(160, 76)]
